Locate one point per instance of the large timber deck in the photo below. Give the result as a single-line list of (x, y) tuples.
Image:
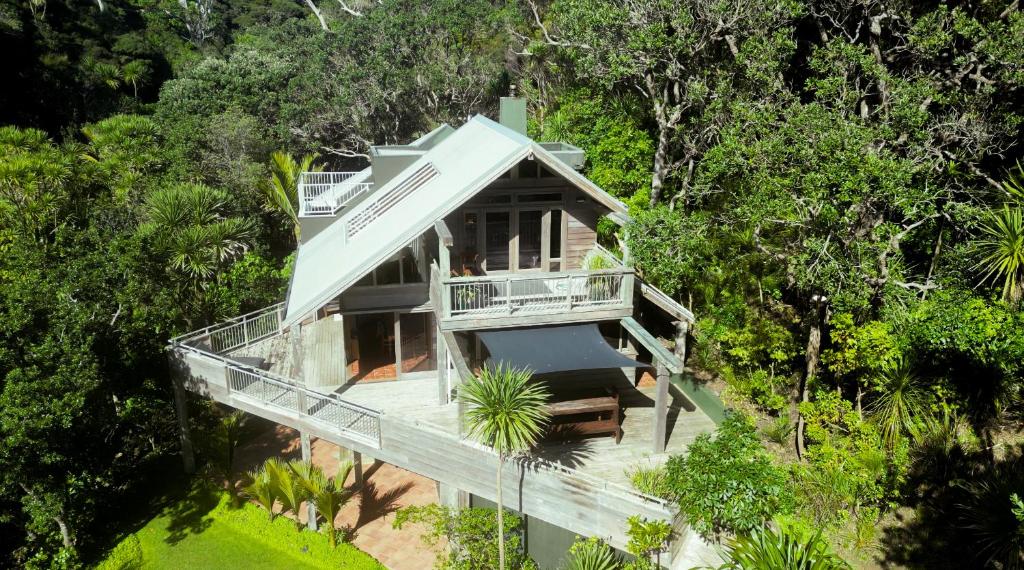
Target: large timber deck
[(601, 457)]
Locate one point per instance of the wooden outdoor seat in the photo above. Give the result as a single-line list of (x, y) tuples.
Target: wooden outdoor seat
[(589, 415)]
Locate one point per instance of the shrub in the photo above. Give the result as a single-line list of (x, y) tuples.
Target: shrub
[(127, 555), (784, 548), (652, 480), (471, 535), (591, 554), (728, 482), (779, 430)]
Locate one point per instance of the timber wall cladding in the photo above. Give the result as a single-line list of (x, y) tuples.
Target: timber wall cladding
[(323, 361), (581, 235)]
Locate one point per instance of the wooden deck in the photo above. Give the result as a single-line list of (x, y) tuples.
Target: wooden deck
[(597, 456)]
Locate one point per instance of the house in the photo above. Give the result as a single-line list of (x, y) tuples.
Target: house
[(466, 247)]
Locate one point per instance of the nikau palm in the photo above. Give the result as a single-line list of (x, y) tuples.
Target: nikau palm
[(262, 489), (508, 413), (283, 191), (329, 495)]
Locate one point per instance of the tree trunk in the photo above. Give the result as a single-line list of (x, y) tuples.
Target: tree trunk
[(65, 534), (501, 517), (661, 165), (813, 358), (316, 12), (860, 399)]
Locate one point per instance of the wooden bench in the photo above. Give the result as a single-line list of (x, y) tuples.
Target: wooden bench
[(586, 416)]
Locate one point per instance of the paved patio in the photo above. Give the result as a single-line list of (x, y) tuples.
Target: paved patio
[(369, 516)]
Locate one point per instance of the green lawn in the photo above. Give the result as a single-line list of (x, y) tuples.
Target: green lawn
[(202, 531)]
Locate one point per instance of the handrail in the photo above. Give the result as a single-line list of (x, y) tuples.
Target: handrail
[(324, 193), (240, 331), (535, 275), (239, 378)]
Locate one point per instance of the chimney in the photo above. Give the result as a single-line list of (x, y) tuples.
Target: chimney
[(512, 112)]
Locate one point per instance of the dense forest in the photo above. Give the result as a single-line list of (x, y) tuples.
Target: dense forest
[(835, 188)]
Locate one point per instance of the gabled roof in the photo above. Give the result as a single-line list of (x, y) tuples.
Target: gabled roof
[(446, 176)]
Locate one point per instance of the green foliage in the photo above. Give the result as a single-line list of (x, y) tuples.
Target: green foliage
[(282, 193), (127, 555), (470, 535), (1001, 246), (728, 482), (779, 430), (989, 514), (647, 540), (228, 537), (329, 495), (591, 554), (649, 479), (262, 488), (901, 403), (849, 467), (783, 549), (286, 479), (610, 130)]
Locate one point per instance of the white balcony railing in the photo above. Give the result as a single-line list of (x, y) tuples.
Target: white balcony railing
[(218, 341), (537, 293), (324, 193)]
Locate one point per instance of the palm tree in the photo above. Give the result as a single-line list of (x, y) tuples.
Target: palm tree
[(508, 414), (329, 495), (283, 191), (287, 485), (1002, 248), (901, 403), (262, 489), (780, 550)]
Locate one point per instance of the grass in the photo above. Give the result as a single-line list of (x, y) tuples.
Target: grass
[(203, 531)]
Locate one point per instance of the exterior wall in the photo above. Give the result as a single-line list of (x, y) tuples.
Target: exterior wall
[(323, 359), (581, 235)]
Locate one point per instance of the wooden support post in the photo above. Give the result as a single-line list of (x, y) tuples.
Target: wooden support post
[(188, 457), (307, 455), (441, 358), (661, 408), (682, 329), (357, 468)]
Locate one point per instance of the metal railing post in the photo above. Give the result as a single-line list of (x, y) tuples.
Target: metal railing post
[(508, 293)]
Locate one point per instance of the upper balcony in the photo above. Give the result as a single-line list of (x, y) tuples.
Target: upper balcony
[(326, 193), (531, 298)]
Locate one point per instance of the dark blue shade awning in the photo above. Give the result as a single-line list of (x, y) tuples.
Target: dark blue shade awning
[(554, 349)]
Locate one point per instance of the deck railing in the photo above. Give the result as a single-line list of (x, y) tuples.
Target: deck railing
[(237, 332), (324, 193), (537, 293), (347, 418), (329, 410)]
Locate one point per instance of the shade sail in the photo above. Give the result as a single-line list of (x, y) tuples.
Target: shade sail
[(554, 349)]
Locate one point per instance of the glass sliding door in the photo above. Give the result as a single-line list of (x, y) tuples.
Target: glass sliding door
[(498, 232), (530, 232), (417, 333)]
